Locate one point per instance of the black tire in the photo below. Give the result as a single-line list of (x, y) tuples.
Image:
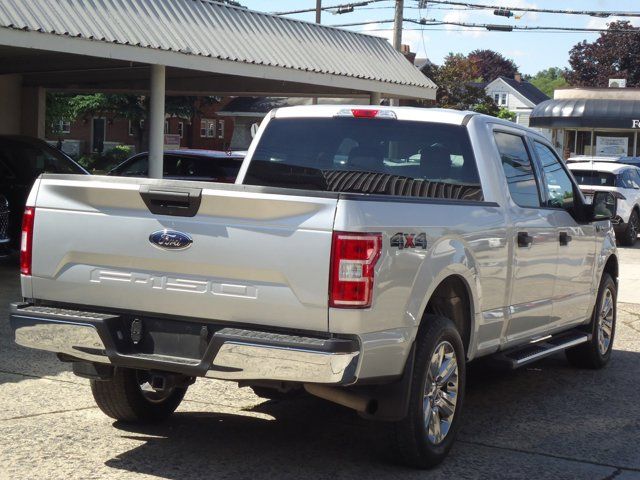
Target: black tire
[(410, 438), (630, 235), (121, 398), (590, 354)]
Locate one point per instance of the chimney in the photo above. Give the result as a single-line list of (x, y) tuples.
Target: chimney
[(517, 77), (408, 54)]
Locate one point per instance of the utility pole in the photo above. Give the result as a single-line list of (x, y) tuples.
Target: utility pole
[(314, 100), (397, 35)]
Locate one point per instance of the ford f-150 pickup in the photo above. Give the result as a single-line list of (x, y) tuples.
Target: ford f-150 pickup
[(365, 255)]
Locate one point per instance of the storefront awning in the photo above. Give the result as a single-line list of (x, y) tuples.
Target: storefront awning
[(587, 113)]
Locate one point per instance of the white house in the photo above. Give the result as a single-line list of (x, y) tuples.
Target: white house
[(516, 95)]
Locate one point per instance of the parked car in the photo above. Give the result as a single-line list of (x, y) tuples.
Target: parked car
[(364, 254), (197, 165), (4, 226), (623, 181), (635, 161), (22, 159)]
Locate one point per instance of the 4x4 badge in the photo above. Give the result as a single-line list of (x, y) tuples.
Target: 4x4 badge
[(409, 240)]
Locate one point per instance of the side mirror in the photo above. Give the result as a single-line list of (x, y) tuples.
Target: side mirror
[(605, 206)]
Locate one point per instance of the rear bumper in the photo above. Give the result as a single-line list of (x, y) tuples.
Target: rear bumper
[(190, 348)]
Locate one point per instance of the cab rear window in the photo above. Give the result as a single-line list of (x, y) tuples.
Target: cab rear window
[(374, 156)]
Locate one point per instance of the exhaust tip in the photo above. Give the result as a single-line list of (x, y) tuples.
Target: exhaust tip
[(372, 407)]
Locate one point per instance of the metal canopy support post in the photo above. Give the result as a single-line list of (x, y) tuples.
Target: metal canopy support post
[(156, 121), (374, 98)]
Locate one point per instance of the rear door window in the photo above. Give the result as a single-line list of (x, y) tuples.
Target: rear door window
[(518, 168), (374, 156)]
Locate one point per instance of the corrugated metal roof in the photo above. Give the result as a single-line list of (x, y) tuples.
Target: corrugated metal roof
[(210, 29)]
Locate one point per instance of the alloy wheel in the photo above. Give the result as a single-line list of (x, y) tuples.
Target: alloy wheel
[(605, 322), (441, 392)]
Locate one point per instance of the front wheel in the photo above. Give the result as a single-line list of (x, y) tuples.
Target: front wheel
[(597, 352), (425, 436), (630, 235), (128, 397)]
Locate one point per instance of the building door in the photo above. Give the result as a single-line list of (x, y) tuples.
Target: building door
[(98, 134)]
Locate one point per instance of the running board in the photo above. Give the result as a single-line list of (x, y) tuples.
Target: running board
[(531, 352)]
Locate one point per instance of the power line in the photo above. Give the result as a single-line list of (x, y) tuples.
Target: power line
[(491, 27), (509, 28), (332, 7), (470, 29), (591, 13)]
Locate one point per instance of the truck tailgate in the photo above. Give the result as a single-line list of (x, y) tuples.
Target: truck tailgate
[(255, 257)]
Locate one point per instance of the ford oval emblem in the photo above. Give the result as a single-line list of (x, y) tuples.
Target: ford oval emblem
[(170, 240)]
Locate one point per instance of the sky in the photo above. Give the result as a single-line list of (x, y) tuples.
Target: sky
[(532, 51)]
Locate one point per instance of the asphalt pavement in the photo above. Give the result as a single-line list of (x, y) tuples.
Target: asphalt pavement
[(548, 421)]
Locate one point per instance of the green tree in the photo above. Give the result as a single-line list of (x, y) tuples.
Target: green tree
[(549, 80), (613, 55), (457, 85), (491, 65), (506, 114), (57, 109)]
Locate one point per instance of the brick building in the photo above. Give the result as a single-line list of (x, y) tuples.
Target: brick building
[(205, 130)]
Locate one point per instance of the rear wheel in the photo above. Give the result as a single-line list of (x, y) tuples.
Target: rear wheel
[(597, 352), (128, 397), (630, 235), (425, 436)]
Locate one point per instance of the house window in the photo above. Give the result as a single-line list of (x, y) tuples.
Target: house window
[(500, 99), (132, 132), (220, 129), (207, 128), (61, 126), (181, 129)]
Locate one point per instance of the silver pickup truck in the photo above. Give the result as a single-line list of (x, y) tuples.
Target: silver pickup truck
[(365, 255)]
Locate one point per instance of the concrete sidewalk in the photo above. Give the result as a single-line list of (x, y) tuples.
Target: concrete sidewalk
[(629, 290), (548, 421)]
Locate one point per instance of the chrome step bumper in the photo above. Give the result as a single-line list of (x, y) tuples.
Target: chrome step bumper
[(224, 353)]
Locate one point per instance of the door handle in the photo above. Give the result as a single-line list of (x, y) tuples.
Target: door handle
[(564, 238), (524, 239), (171, 201)]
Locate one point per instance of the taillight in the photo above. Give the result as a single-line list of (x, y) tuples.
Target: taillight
[(367, 113), (353, 260), (26, 244)]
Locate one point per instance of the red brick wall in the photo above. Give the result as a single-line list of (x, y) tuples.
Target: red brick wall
[(117, 130)]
